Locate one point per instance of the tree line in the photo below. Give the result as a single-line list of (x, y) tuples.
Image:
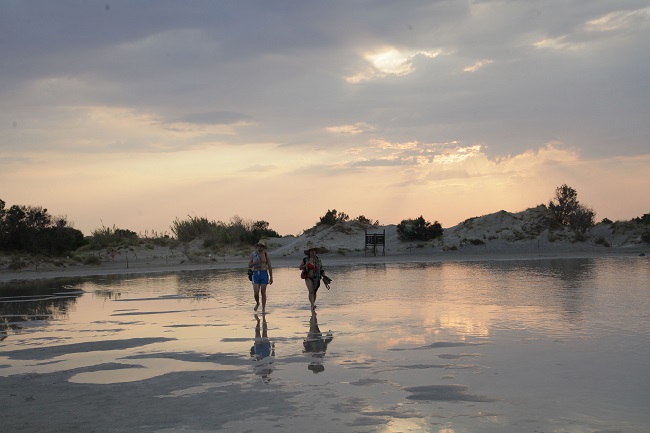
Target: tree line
[(32, 229)]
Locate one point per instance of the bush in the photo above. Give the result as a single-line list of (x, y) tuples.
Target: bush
[(332, 217), (33, 229), (92, 260), (602, 241), (568, 211), (645, 219), (216, 232), (113, 237), (363, 220), (645, 237), (418, 229)]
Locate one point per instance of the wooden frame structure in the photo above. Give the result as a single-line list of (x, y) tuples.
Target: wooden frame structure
[(375, 240)]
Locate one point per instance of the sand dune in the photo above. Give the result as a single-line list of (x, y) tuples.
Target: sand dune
[(501, 235)]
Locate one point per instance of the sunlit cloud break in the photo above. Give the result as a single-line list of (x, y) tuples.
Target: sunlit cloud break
[(478, 65), (390, 62), (415, 154), (354, 129), (618, 20)]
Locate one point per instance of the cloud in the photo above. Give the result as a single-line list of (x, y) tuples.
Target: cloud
[(478, 65), (619, 20), (389, 62), (353, 129), (213, 118), (494, 100)]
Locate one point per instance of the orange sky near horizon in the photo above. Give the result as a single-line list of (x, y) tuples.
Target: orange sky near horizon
[(138, 114)]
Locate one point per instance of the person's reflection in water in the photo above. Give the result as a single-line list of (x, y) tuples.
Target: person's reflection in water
[(262, 351), (316, 344)]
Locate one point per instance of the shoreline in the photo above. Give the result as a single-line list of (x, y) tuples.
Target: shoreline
[(146, 266)]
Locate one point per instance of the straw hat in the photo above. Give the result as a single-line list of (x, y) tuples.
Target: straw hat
[(313, 246), (262, 242)]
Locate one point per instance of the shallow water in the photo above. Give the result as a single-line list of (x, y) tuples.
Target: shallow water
[(537, 345)]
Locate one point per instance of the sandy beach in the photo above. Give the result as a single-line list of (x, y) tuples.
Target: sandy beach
[(467, 343), (145, 265), (499, 236), (431, 337)]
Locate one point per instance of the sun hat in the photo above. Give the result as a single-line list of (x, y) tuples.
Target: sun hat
[(262, 242), (312, 246)]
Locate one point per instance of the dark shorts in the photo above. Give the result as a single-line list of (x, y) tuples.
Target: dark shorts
[(260, 277)]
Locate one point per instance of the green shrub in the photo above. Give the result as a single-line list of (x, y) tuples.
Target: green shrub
[(568, 211), (113, 237), (34, 230), (332, 217), (418, 229), (92, 260), (645, 237), (214, 233), (602, 241), (645, 219)]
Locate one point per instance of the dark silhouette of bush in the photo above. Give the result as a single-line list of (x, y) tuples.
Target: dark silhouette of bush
[(363, 220), (418, 230), (32, 229), (261, 230), (332, 217), (645, 219), (217, 232), (113, 237), (568, 211)]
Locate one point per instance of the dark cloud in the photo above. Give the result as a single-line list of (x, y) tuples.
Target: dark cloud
[(572, 72)]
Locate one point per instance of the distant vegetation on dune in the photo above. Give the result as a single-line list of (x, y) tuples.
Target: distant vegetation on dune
[(32, 230)]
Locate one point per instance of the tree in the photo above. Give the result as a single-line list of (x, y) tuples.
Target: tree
[(418, 229), (568, 211), (332, 217), (33, 229), (364, 220), (261, 230)]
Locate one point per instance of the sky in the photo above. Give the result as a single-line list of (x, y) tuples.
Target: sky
[(134, 114)]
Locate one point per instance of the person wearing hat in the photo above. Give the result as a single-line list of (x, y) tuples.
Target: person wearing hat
[(260, 263), (312, 270)]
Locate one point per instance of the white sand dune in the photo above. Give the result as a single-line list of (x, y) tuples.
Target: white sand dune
[(501, 235)]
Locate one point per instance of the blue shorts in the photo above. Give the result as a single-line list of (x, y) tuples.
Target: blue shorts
[(261, 277)]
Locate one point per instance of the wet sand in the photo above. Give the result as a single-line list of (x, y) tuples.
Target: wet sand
[(172, 349), (149, 265)]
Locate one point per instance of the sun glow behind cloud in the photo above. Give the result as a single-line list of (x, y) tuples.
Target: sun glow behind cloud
[(619, 20), (437, 109), (478, 65), (612, 22), (390, 62)]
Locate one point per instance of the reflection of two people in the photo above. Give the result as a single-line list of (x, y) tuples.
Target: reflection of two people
[(316, 344), (263, 350)]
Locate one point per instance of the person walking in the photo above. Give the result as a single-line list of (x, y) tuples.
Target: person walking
[(260, 263), (312, 271)]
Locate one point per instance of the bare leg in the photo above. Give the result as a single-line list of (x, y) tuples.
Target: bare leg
[(263, 289), (256, 294), (312, 294)]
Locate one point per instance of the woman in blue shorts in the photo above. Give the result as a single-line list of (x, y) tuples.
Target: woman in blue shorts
[(260, 263)]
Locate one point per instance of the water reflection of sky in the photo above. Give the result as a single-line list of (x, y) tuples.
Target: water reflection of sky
[(458, 346)]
